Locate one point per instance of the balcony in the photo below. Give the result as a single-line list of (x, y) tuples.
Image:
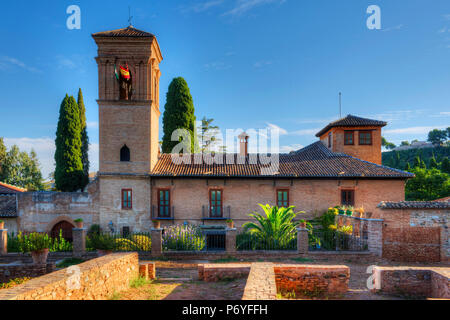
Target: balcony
[(156, 215), (224, 215)]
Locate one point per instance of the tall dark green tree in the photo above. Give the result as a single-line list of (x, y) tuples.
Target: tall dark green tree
[(69, 167), (433, 163), (408, 167), (2, 159), (178, 114), (437, 137), (84, 139), (445, 165)]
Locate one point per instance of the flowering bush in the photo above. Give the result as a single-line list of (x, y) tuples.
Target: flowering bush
[(183, 238), (142, 242)]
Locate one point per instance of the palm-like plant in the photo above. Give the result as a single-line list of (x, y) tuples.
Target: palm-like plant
[(275, 229)]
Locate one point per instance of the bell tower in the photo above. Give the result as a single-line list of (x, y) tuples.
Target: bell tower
[(128, 81)]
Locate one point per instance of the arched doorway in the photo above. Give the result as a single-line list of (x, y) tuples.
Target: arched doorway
[(66, 228)]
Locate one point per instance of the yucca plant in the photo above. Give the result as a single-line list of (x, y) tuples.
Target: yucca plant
[(275, 229)]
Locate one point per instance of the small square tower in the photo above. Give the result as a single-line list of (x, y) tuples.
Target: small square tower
[(355, 136), (128, 80)]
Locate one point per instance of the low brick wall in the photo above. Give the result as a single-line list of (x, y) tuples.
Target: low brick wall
[(261, 283), (312, 279), (19, 270), (214, 272), (97, 279), (413, 281)]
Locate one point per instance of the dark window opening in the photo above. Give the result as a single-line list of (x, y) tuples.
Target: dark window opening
[(348, 197), (329, 140), (127, 199), (125, 154), (125, 232), (349, 138), (283, 198), (215, 203), (164, 203), (215, 241), (365, 138)]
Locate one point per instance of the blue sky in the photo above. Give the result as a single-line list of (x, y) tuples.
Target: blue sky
[(249, 64)]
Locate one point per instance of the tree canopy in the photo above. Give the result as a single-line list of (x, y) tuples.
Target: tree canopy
[(20, 168)]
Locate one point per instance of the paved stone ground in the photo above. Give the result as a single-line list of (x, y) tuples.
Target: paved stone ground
[(234, 290)]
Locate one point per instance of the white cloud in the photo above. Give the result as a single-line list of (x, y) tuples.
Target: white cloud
[(447, 16), (290, 148), (306, 132), (6, 62), (92, 125), (412, 130), (217, 66), (243, 6), (45, 150), (398, 27), (281, 131), (203, 6), (260, 64)]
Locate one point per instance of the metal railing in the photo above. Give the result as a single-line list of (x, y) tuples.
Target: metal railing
[(250, 242), (206, 213), (331, 240), (119, 241), (157, 215)]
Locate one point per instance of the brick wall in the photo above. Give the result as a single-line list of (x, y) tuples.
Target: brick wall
[(214, 273), (98, 279), (415, 235), (243, 195), (312, 279), (19, 270), (40, 211), (414, 282)]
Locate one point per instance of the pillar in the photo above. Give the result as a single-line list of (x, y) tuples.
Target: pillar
[(375, 236), (230, 244), (302, 240), (79, 242), (156, 235), (3, 242)]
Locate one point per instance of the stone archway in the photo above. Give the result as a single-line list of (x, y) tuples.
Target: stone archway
[(63, 223)]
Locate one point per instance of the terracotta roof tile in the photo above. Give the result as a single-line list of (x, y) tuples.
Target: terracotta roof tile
[(129, 32), (351, 121), (313, 161), (7, 188), (415, 205)]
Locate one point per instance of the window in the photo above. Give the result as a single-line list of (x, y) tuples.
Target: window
[(329, 140), (349, 138), (164, 203), (125, 154), (283, 198), (215, 203), (127, 202), (365, 138), (348, 197)]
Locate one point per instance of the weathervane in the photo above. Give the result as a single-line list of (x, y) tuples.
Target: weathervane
[(130, 18)]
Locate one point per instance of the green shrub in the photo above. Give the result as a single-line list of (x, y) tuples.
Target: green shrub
[(34, 242), (183, 238), (102, 242)]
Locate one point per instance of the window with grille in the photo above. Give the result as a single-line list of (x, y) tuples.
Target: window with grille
[(127, 199), (349, 138), (164, 203), (215, 203), (348, 197), (283, 198), (365, 138)]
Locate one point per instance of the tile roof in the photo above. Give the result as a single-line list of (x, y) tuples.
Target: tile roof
[(415, 205), (351, 121), (129, 32), (7, 188), (8, 207), (313, 161)]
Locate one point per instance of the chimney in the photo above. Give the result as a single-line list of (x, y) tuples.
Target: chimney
[(243, 143)]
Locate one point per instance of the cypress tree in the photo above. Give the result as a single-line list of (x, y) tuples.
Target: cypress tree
[(178, 114), (417, 162), (69, 168), (408, 167), (84, 140), (433, 163)]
